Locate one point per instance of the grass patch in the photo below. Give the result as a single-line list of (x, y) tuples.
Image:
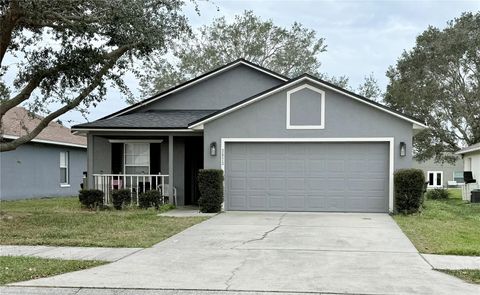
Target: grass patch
[(16, 269), (62, 222), (449, 226), (468, 275)]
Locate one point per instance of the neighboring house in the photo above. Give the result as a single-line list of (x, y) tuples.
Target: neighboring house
[(441, 175), (52, 164), (284, 144), (471, 162)]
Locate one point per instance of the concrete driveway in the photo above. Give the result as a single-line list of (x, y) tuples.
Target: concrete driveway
[(289, 252)]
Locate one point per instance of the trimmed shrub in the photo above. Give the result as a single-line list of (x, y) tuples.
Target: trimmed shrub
[(437, 194), (152, 198), (120, 198), (409, 190), (210, 185), (91, 198)]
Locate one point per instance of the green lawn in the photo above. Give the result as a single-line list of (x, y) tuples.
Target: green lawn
[(16, 269), (61, 222), (469, 275), (444, 226)]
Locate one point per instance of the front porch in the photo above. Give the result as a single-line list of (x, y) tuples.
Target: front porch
[(139, 161)]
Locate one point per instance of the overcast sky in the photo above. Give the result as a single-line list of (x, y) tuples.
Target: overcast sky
[(362, 36)]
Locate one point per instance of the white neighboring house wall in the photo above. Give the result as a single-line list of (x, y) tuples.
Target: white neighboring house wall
[(471, 162)]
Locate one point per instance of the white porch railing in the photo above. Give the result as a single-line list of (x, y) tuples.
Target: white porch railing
[(136, 183)]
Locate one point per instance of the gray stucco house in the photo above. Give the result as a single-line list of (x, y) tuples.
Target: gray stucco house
[(52, 164), (284, 144), (441, 175)]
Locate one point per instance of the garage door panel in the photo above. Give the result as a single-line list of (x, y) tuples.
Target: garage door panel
[(276, 202), (257, 200), (257, 165), (296, 203), (335, 184), (237, 183), (276, 184), (307, 176), (257, 183), (317, 184)]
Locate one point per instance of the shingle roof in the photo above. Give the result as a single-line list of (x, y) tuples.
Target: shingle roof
[(472, 148), (152, 119), (18, 121)]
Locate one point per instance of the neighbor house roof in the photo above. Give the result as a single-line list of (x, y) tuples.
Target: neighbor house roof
[(473, 148), (417, 123), (18, 122), (152, 119), (194, 81)]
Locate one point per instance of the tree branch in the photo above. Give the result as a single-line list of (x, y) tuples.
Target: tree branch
[(8, 22), (114, 56), (20, 97)]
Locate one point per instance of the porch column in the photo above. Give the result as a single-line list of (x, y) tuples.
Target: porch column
[(170, 168)]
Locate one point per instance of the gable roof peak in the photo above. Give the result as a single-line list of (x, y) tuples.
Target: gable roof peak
[(195, 80)]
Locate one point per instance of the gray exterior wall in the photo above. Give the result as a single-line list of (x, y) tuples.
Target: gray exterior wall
[(447, 169), (100, 157), (305, 108), (344, 117), (217, 92), (33, 171)]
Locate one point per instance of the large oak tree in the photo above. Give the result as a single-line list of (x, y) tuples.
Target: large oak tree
[(439, 82), (64, 52)]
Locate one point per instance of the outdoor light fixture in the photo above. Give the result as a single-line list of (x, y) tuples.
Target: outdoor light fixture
[(213, 149), (403, 149)]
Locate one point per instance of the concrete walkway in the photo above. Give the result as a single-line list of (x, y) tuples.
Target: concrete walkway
[(276, 252), (452, 261), (103, 291), (70, 253), (186, 211), (96, 291)]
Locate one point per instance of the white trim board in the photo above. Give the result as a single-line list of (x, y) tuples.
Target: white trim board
[(322, 108), (47, 141), (199, 125), (188, 84), (390, 140)]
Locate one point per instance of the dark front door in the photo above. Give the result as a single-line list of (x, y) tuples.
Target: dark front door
[(193, 163)]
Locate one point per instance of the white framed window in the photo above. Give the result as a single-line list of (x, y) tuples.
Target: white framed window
[(64, 169), (137, 157), (321, 94), (435, 179)]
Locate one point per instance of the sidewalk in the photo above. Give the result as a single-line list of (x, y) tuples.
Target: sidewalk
[(70, 253), (452, 261), (106, 291)]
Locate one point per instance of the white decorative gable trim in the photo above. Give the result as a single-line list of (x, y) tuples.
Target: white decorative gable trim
[(322, 108)]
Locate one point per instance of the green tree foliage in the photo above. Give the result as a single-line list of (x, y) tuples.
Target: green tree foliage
[(370, 89), (66, 51), (439, 82), (290, 52)]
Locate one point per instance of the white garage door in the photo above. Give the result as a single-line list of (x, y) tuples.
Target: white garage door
[(342, 177)]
